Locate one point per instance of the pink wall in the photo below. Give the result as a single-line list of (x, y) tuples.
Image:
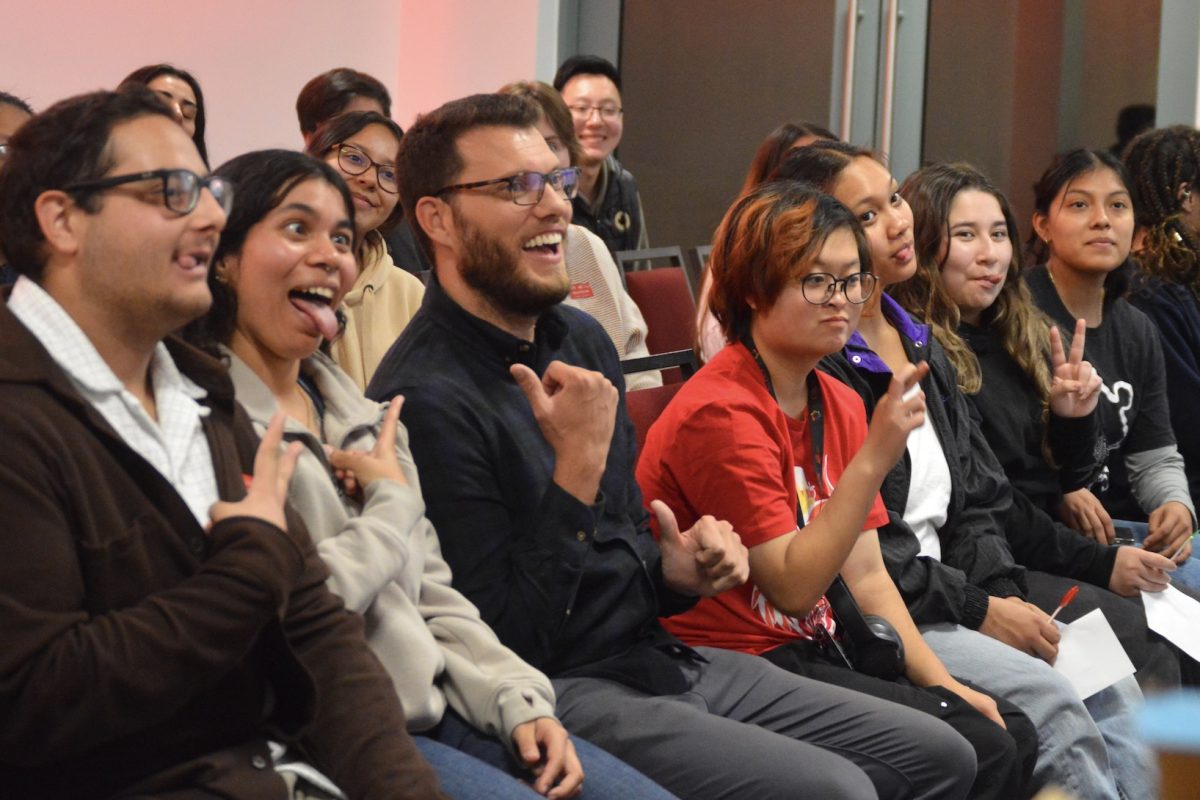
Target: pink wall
[(252, 56), (452, 48)]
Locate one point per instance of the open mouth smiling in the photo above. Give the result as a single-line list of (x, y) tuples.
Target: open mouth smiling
[(546, 243)]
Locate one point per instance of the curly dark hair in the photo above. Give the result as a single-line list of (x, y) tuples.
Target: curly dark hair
[(1164, 166)]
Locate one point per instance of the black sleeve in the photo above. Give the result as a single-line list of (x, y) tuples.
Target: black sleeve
[(976, 560), (1151, 428), (973, 538), (1040, 543), (524, 583), (1078, 448), (932, 591)]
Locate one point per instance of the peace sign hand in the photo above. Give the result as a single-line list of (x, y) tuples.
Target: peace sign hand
[(1075, 389)]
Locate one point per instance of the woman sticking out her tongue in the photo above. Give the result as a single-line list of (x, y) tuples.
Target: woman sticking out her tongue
[(285, 261), (362, 146)]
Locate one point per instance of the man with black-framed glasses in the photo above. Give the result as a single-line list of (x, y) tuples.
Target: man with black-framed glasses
[(164, 616), (608, 203)]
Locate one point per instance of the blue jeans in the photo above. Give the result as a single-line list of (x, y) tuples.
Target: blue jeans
[(1087, 748), (1186, 574), (474, 766)]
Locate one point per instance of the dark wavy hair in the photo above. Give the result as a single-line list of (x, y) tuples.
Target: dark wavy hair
[(328, 94), (7, 99), (768, 236), (261, 180), (67, 143), (142, 77), (341, 127), (1024, 330), (1065, 168), (1164, 168)]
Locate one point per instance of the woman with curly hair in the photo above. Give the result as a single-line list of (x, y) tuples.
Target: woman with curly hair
[(1164, 166)]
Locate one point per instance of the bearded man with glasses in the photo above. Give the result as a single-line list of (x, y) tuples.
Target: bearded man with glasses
[(158, 602), (514, 409)]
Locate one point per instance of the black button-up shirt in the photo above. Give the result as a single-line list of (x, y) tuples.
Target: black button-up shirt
[(574, 589)]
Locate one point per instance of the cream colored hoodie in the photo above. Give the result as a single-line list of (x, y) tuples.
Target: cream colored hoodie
[(382, 301)]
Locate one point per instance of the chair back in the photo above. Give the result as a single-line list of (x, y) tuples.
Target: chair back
[(670, 312), (645, 406)]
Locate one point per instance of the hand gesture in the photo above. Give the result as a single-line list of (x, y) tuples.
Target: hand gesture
[(705, 560), (546, 751), (1075, 389), (358, 468), (576, 410), (1137, 570), (899, 412), (268, 490), (1022, 625), (1170, 530), (1083, 511)]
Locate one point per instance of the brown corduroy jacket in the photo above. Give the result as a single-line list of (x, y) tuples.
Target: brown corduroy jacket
[(142, 656)]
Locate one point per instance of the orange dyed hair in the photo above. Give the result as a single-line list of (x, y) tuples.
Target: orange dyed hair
[(769, 236)]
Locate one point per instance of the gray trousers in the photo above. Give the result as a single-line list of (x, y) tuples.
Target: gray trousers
[(748, 729)]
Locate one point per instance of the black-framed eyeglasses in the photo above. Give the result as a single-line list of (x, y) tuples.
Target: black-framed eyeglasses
[(354, 161), (527, 188), (608, 113), (180, 188), (820, 287)]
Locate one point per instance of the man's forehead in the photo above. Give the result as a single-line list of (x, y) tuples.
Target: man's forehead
[(152, 141), (495, 151), (591, 84)]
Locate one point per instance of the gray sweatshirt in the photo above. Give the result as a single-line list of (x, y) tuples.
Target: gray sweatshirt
[(386, 563)]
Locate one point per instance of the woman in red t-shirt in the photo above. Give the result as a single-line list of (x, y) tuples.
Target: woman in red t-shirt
[(738, 442)]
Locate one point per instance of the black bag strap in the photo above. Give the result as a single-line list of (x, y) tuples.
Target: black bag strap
[(845, 608)]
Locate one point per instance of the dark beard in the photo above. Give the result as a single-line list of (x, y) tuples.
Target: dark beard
[(493, 272)]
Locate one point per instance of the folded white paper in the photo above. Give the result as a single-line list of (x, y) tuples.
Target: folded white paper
[(1089, 654), (1176, 617)]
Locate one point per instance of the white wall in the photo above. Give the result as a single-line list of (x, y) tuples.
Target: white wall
[(252, 56)]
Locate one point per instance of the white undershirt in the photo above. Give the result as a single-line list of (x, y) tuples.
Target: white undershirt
[(928, 489), (175, 443)]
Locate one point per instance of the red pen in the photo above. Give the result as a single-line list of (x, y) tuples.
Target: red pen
[(1066, 600)]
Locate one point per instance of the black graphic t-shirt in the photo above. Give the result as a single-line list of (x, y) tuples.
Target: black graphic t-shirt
[(1133, 409)]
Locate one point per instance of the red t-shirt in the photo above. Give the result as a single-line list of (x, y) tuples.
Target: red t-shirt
[(724, 447)]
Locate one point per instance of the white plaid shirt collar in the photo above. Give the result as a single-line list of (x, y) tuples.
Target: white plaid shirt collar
[(72, 350), (176, 444)]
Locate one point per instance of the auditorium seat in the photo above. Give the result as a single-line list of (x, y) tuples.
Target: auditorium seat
[(666, 302)]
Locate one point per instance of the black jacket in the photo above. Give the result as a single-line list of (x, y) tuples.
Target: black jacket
[(976, 558), (617, 217), (1008, 410)]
